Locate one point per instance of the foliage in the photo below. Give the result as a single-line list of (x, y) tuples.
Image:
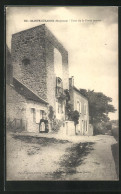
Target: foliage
[(108, 126), (67, 94), (99, 106), (102, 127), (56, 125), (74, 115), (68, 107), (115, 123), (68, 110), (62, 97), (51, 113)]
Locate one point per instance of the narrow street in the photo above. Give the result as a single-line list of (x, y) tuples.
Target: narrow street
[(44, 157)]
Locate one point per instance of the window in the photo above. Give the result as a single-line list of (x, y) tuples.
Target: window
[(37, 116), (34, 114), (85, 109), (59, 81), (86, 125), (78, 106), (25, 61), (42, 114), (59, 108), (59, 86)]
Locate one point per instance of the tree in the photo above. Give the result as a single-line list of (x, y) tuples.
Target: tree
[(74, 116), (51, 113), (99, 106)]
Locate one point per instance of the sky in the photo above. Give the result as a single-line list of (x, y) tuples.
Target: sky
[(89, 34)]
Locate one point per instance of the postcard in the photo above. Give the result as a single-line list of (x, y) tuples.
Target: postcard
[(62, 93)]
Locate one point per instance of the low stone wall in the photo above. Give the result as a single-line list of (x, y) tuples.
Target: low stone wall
[(90, 130), (70, 128)]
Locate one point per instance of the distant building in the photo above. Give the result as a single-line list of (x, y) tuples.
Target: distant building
[(80, 103)]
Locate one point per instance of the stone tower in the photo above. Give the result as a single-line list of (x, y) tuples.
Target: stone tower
[(33, 61)]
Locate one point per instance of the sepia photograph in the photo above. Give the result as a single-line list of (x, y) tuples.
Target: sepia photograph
[(62, 120)]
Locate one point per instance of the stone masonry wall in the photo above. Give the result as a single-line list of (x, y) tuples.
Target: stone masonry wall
[(15, 104), (37, 46), (17, 107), (30, 45), (33, 126)]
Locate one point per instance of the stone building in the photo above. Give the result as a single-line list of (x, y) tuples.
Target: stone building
[(24, 108), (37, 78), (80, 103), (37, 75), (40, 62)]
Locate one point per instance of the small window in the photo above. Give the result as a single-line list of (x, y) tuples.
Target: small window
[(85, 125), (78, 106), (43, 114), (60, 108), (26, 61), (37, 116), (34, 114), (85, 109), (58, 81)]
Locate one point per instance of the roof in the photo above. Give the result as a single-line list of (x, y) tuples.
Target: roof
[(79, 92), (26, 92)]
